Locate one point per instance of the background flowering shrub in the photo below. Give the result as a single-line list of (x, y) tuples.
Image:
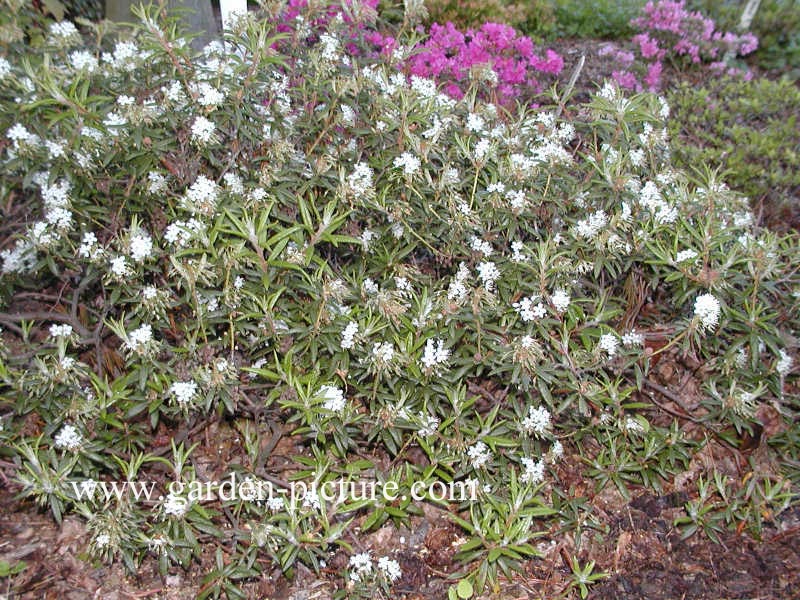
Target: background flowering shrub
[(493, 55), (669, 31), (286, 240)]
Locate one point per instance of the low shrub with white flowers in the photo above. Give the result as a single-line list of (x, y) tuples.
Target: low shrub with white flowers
[(289, 236)]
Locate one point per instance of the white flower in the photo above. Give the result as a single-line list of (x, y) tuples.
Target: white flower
[(348, 115), (68, 439), (479, 454), (784, 364), (560, 300), (102, 540), (685, 255), (181, 233), (429, 425), (517, 248), (5, 68), (360, 180), (457, 290), (632, 338), (202, 130), (633, 425), (348, 335), (435, 354), (527, 311), (538, 421), (481, 149), (183, 391), (516, 199), (141, 246), (63, 32), (119, 267), (176, 506), (157, 183), (482, 246), (610, 343), (408, 162), (208, 96), (330, 47), (370, 287), (391, 568), (475, 123), (360, 565), (140, 339), (637, 157), (382, 353), (534, 471), (589, 228), (556, 451), (707, 309), (334, 398), (82, 60), (276, 503), (58, 331), (201, 197), (488, 273), (366, 238)]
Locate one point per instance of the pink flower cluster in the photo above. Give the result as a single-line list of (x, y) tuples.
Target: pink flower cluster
[(669, 31), (494, 53)]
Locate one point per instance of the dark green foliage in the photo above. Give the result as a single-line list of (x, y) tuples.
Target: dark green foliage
[(596, 19), (750, 130)]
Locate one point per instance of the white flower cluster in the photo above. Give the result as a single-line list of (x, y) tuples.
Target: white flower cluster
[(707, 309), (382, 353), (63, 33), (457, 290), (784, 363), (83, 61), (534, 471), (201, 197), (359, 182), (141, 245), (528, 311), (538, 421), (333, 397), (69, 438), (609, 343), (348, 335), (685, 256), (479, 455), (488, 274), (207, 95), (632, 338), (560, 300), (589, 228), (361, 567), (202, 130), (390, 568), (60, 331), (140, 341), (176, 506), (481, 246), (408, 162), (183, 392), (181, 232), (650, 197), (435, 354), (428, 425)]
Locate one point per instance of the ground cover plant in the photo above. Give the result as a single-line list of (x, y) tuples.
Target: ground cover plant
[(750, 131), (295, 243)]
